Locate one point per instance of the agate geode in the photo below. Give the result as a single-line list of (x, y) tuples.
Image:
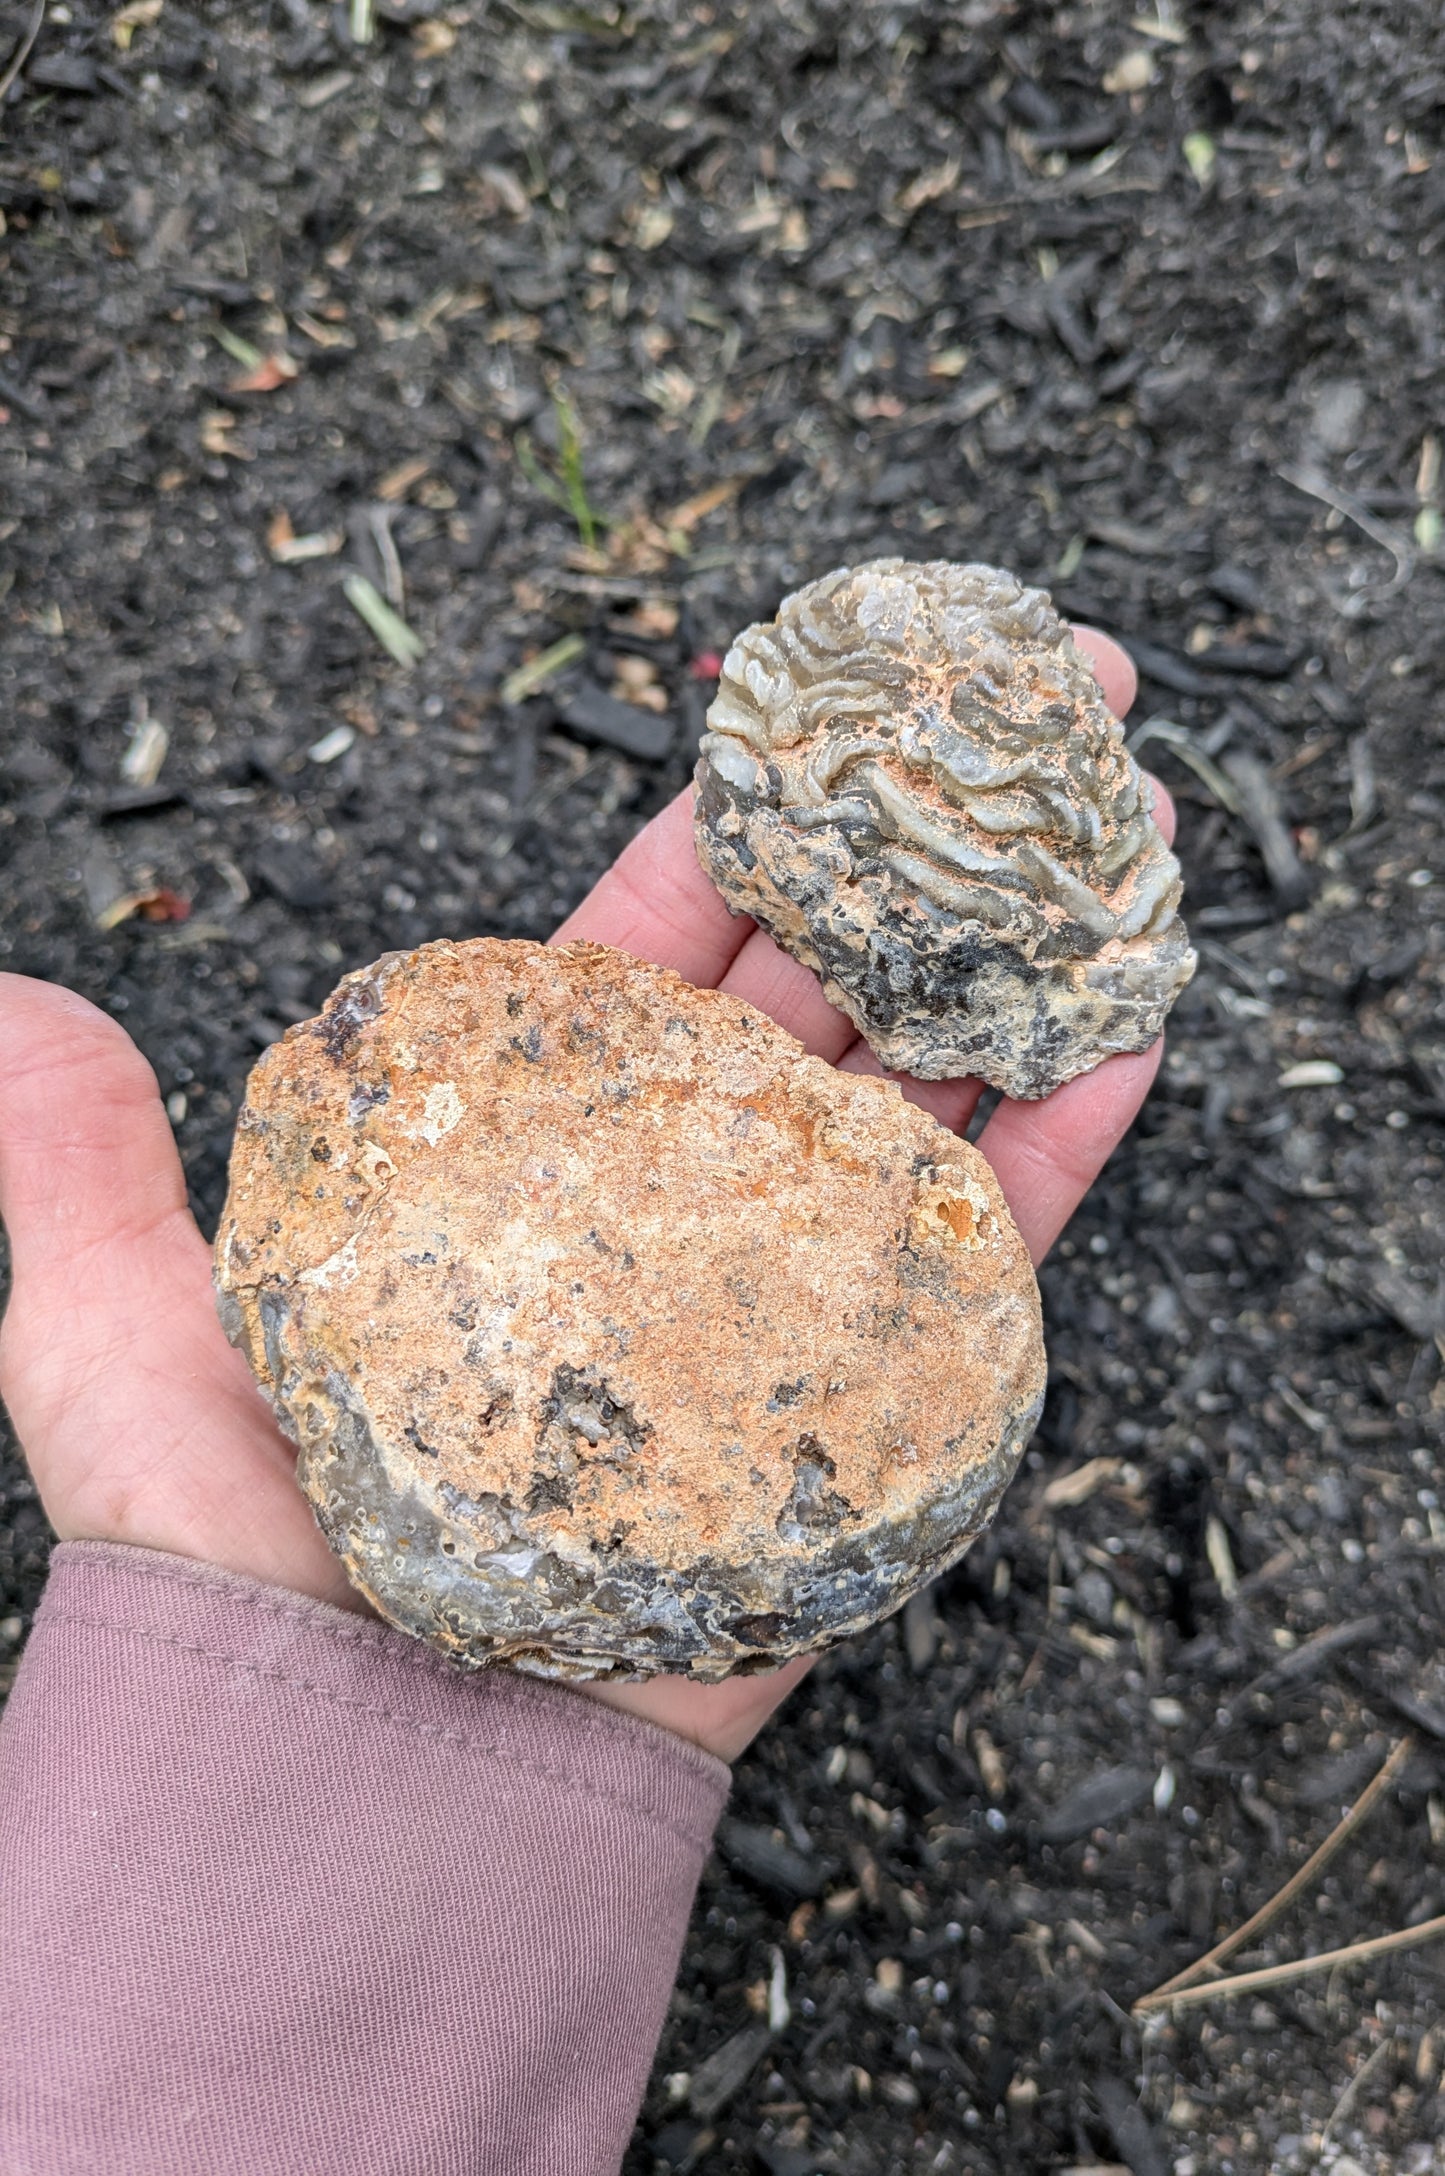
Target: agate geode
[(616, 1334), (911, 779)]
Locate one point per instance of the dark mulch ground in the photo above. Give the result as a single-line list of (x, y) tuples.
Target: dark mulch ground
[(1149, 314)]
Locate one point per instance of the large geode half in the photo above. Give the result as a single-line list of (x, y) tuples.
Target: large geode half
[(911, 779), (616, 1334)]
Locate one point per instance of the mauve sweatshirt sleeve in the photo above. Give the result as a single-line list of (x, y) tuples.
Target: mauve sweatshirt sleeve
[(282, 1892)]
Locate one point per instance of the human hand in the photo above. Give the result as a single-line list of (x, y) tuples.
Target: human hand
[(142, 1425)]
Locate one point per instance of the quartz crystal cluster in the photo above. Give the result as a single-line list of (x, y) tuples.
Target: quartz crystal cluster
[(615, 1334), (911, 779)]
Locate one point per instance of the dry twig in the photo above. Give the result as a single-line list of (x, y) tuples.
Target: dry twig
[(1279, 1975), (1317, 1861)]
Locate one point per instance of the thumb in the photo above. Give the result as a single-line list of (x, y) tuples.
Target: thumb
[(139, 1421), (87, 1162)]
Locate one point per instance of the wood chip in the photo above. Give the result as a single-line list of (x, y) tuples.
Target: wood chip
[(1077, 1487)]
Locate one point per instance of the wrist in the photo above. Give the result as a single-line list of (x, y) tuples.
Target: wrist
[(722, 1719)]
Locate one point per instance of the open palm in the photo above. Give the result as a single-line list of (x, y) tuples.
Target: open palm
[(142, 1425)]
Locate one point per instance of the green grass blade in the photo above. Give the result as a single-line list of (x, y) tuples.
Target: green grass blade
[(539, 670), (390, 629)]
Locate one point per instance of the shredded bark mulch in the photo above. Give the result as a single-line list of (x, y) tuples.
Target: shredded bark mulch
[(393, 434)]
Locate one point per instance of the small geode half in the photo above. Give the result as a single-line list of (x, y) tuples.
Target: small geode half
[(911, 779), (616, 1334)]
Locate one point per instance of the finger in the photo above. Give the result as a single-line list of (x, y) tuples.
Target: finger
[(140, 1422), (762, 974), (1112, 666), (87, 1161), (789, 993), (1116, 674), (1046, 1155), (951, 1102), (658, 903)]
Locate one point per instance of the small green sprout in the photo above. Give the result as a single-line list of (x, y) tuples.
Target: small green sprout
[(567, 486)]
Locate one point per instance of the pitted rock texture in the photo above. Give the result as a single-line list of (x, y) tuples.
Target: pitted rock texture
[(911, 779), (616, 1334)]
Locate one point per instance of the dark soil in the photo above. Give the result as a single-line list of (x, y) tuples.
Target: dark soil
[(938, 279)]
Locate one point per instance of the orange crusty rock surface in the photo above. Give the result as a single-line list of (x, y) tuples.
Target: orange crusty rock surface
[(615, 1333)]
